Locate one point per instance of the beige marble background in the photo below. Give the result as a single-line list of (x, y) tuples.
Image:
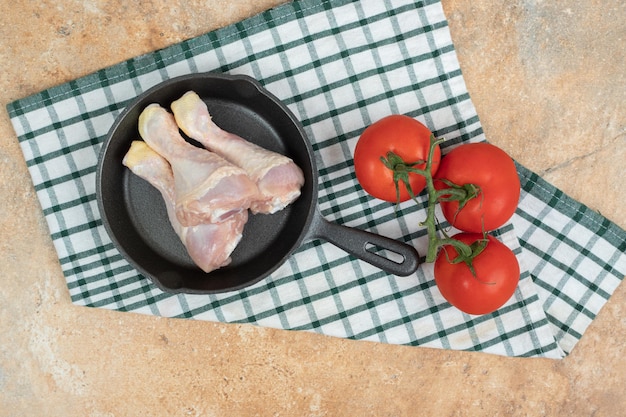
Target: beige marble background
[(549, 81)]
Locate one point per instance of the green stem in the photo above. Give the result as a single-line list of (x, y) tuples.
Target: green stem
[(434, 241), (401, 171), (453, 192)]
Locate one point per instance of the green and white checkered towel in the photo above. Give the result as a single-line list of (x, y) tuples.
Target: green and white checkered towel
[(339, 65)]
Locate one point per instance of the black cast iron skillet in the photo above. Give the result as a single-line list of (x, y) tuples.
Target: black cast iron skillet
[(134, 214)]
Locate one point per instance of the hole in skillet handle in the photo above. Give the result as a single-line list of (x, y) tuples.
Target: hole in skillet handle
[(390, 255), (384, 252)]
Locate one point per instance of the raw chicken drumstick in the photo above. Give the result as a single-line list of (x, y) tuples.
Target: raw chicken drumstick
[(207, 188), (209, 245), (279, 179)]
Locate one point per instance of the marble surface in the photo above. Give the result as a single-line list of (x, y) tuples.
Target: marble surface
[(548, 79)]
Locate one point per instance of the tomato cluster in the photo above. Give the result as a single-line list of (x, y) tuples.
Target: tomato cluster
[(477, 188)]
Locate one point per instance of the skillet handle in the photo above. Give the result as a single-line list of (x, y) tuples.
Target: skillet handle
[(402, 259)]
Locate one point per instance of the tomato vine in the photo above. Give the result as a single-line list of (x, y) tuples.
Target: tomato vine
[(454, 192)]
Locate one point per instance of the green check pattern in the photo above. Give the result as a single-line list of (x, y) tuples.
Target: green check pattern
[(339, 65)]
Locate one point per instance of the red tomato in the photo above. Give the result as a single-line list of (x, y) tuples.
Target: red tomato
[(497, 274), (402, 135), (491, 169)]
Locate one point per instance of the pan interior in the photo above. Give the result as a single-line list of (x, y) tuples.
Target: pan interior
[(135, 214)]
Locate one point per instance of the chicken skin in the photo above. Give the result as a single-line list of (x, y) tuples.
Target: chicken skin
[(207, 188), (278, 178), (209, 245)]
